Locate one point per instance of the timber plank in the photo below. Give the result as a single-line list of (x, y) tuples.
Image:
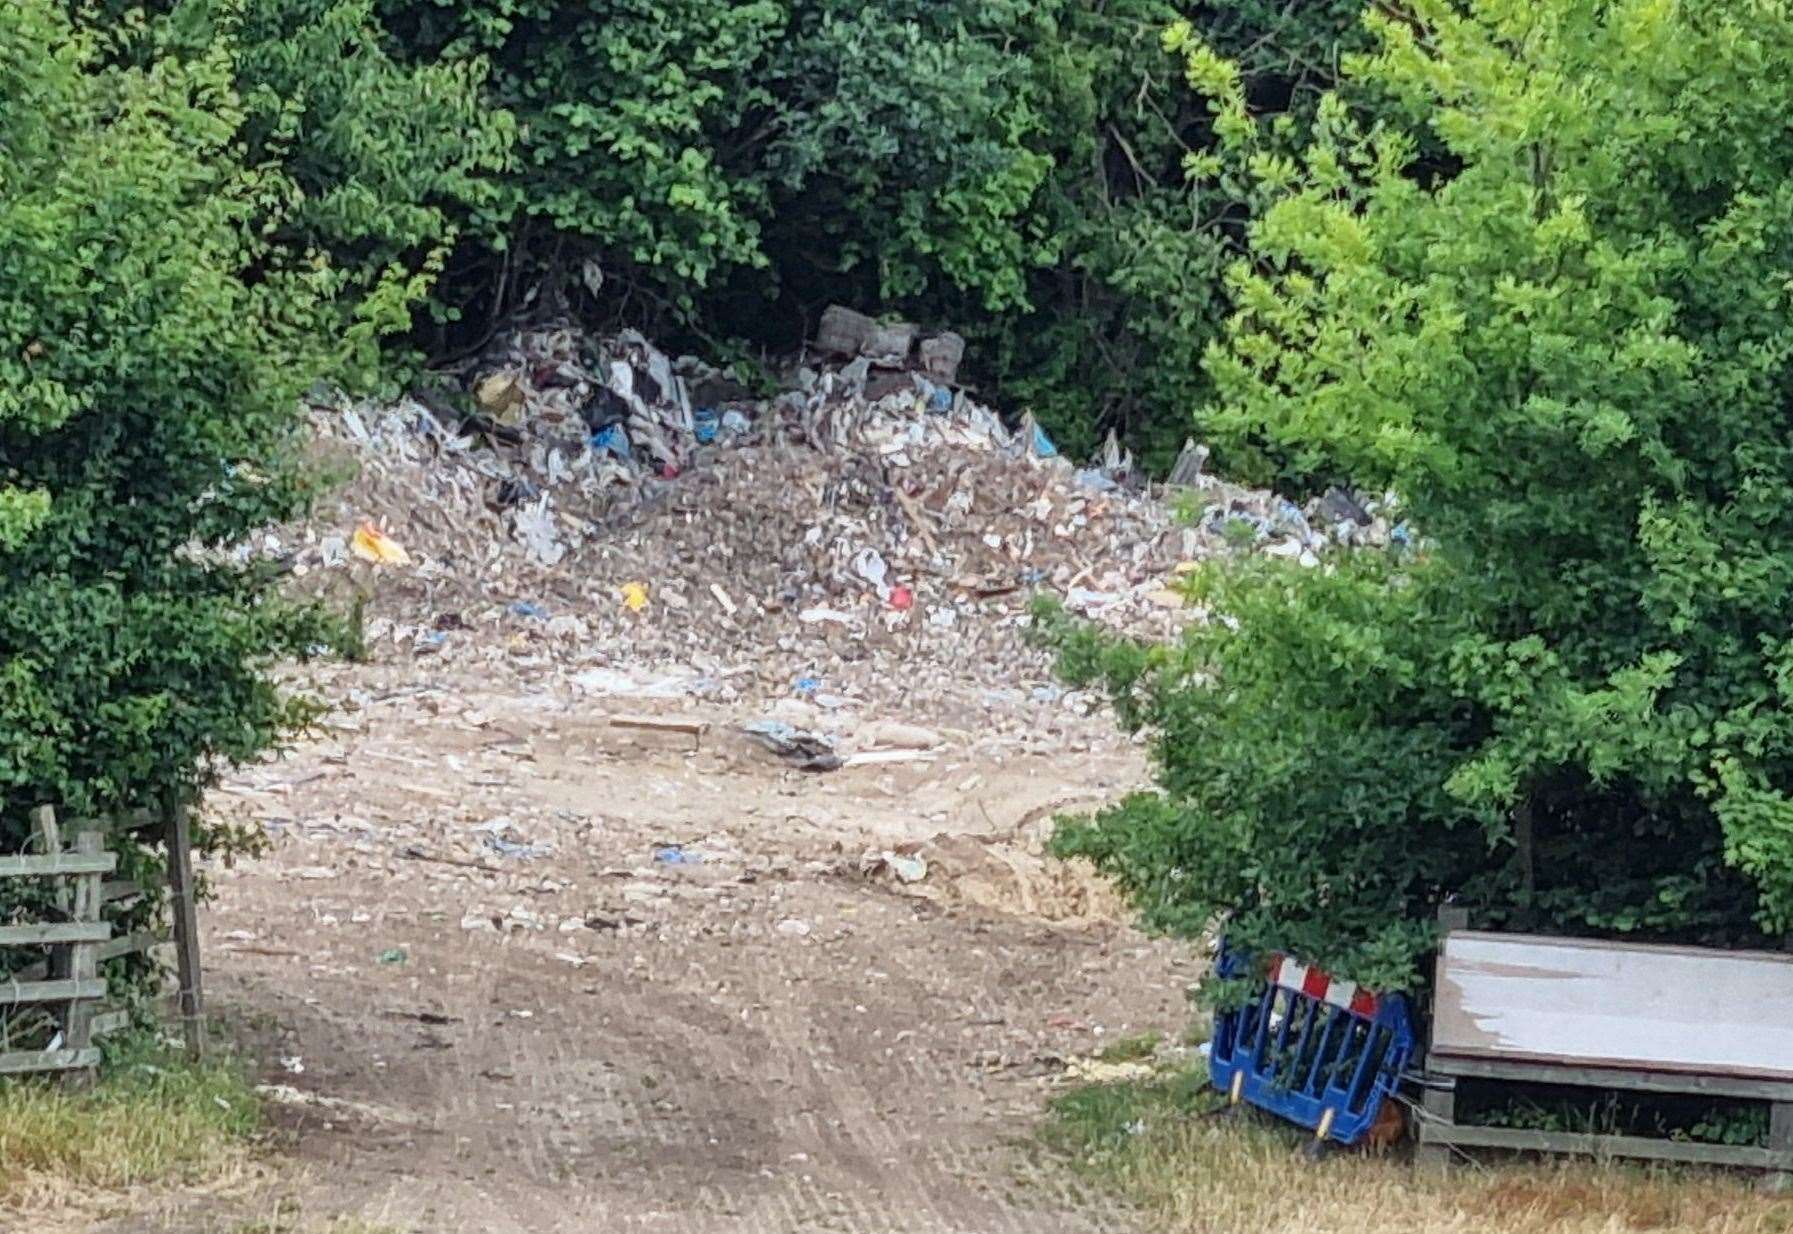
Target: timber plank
[(58, 864), (25, 1061), (55, 932), (14, 992), (1643, 1148)]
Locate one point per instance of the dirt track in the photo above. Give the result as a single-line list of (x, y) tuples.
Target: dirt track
[(593, 1039)]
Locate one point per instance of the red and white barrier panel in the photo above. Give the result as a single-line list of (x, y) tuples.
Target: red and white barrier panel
[(1314, 983)]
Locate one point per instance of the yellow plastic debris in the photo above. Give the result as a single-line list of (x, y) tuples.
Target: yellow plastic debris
[(372, 544), (634, 596)]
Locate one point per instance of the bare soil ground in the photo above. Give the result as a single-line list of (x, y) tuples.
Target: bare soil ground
[(578, 1034)]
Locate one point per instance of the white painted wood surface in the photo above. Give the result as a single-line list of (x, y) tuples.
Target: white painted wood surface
[(1584, 1003)]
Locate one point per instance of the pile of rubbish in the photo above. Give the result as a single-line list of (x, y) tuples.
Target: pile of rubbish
[(870, 529)]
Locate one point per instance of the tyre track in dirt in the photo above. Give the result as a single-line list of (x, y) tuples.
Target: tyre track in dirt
[(764, 1041)]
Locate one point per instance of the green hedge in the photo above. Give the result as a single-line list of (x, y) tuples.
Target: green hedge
[(153, 347), (1571, 353)]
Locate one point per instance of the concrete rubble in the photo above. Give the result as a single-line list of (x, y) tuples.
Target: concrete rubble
[(866, 539)]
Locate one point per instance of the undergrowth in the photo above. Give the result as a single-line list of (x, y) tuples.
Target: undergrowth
[(1161, 1145)]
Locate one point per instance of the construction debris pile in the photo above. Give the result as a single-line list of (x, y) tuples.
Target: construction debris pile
[(869, 532)]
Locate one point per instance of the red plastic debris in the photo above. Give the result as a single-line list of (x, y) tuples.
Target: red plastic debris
[(902, 599)]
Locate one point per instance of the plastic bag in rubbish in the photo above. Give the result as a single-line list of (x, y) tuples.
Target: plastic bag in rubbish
[(611, 439), (869, 565), (534, 525), (371, 544)]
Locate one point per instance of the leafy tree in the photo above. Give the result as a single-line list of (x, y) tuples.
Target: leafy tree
[(153, 346), (1111, 334), (642, 128), (388, 159), (908, 148), (1569, 354), (727, 168), (1013, 170)]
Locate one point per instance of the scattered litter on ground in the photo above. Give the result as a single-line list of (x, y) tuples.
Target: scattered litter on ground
[(286, 1094), (1099, 1071), (369, 543), (906, 868), (801, 748)]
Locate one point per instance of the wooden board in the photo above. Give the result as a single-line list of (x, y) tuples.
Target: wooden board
[(110, 1022), (130, 944), (25, 1061), (60, 863), (1640, 1148), (113, 890), (51, 991), (55, 932), (1633, 1079), (1625, 1006)]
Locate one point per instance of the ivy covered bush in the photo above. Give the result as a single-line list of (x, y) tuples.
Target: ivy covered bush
[(376, 163), (1565, 338), (153, 347)]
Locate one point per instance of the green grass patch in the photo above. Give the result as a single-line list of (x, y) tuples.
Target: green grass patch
[(1099, 1121), (1133, 1049), (151, 1117)]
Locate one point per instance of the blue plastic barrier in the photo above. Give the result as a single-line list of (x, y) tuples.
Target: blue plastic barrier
[(1310, 1048)]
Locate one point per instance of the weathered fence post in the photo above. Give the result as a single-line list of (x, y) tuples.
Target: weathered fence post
[(49, 840), (186, 923), (1780, 1121), (83, 957), (1439, 1104)]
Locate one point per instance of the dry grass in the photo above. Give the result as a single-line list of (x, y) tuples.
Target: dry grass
[(150, 1121), (287, 1220), (1192, 1173)]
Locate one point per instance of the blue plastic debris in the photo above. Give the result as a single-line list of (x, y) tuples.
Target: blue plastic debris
[(940, 399), (808, 685), (1401, 535), (612, 438), (1042, 444), (675, 855), (1310, 1048), (1289, 515), (706, 422), (524, 608)]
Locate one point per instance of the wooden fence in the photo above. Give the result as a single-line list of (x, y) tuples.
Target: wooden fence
[(64, 994)]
